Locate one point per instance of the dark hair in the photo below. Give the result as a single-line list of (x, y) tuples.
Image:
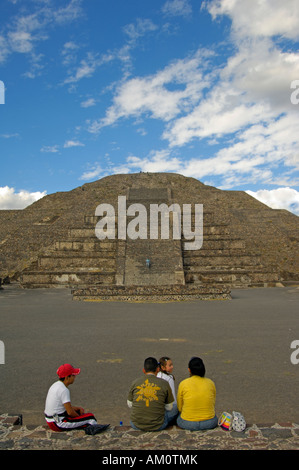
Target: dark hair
[(197, 367), (162, 362), (150, 364), (62, 379)]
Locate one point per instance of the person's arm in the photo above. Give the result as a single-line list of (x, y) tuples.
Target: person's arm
[(171, 383), (179, 399), (73, 411), (130, 397), (169, 406), (170, 399)]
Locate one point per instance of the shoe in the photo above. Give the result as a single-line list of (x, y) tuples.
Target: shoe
[(93, 429)]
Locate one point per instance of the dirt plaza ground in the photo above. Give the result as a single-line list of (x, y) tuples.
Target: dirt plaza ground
[(245, 344)]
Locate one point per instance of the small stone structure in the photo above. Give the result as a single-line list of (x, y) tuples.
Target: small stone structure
[(52, 243)]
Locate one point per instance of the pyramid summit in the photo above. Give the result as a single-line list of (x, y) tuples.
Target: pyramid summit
[(54, 243)]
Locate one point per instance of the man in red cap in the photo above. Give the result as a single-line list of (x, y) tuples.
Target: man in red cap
[(60, 414)]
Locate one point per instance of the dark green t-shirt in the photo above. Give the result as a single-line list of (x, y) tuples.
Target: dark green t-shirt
[(149, 395)]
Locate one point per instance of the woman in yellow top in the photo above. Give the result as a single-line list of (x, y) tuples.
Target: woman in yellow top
[(196, 399)]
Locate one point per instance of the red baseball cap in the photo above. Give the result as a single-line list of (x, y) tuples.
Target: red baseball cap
[(67, 369)]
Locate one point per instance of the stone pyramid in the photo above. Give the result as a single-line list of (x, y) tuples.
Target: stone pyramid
[(53, 243)]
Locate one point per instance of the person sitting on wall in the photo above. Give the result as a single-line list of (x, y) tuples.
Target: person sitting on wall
[(165, 373), (60, 414), (150, 398), (196, 399)]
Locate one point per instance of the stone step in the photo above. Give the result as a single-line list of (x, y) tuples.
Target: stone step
[(84, 233), (165, 258), (220, 244), (233, 278), (154, 278), (216, 261), (205, 253), (82, 245), (208, 217), (96, 255), (207, 238), (89, 232), (78, 262), (223, 269), (66, 278), (152, 293)]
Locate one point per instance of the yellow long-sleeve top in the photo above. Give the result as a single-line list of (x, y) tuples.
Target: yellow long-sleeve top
[(196, 398)]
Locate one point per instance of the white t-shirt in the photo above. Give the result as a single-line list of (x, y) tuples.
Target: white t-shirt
[(170, 380), (58, 394)]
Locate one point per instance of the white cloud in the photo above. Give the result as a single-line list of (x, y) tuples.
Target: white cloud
[(157, 161), (20, 41), (10, 136), (30, 25), (281, 198), (72, 143), (177, 8), (69, 53), (68, 13), (274, 142), (88, 103), (138, 29), (221, 114), (88, 66), (262, 73), (245, 102), (56, 148), (259, 18), (253, 87), (235, 170), (10, 199), (239, 171), (151, 96), (4, 49), (50, 149), (94, 172)]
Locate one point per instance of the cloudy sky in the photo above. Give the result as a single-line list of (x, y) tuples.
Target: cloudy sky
[(208, 89)]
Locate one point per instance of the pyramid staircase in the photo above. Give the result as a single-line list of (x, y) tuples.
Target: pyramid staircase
[(117, 269), (163, 279)]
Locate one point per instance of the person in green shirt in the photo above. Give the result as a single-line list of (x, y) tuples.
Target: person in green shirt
[(196, 399), (150, 399)]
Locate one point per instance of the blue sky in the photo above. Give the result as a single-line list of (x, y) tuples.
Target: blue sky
[(200, 88)]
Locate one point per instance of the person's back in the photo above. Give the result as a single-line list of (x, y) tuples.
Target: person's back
[(149, 394), (57, 395), (149, 397), (196, 398)]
